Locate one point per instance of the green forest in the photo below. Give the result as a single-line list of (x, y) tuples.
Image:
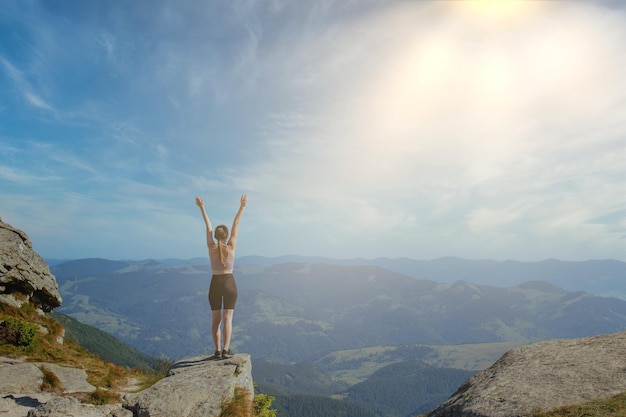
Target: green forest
[(405, 388)]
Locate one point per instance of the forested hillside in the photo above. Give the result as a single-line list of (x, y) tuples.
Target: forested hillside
[(312, 406), (104, 345), (406, 388), (300, 312), (396, 390), (362, 334)]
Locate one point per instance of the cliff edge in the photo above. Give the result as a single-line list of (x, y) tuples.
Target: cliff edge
[(192, 387), (195, 387), (543, 376)]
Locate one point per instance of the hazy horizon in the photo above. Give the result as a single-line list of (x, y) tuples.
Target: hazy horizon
[(357, 258)]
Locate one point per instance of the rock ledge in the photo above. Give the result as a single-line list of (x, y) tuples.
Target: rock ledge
[(194, 387), (542, 376)]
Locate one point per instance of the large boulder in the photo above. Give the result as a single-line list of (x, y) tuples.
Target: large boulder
[(542, 376), (195, 387), (24, 275)]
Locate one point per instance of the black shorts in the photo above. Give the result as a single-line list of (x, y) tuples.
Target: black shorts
[(223, 287)]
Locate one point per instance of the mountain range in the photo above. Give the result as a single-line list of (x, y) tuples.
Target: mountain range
[(606, 278), (294, 312), (362, 333)]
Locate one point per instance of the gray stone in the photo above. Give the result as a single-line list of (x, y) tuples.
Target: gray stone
[(26, 378), (195, 387), (72, 379), (20, 392), (543, 376), (23, 271), (20, 378), (71, 407)]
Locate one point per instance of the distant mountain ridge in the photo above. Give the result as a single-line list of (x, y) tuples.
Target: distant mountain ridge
[(301, 311), (606, 278)]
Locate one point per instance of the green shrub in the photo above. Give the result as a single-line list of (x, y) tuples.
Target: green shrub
[(262, 404), (19, 332)]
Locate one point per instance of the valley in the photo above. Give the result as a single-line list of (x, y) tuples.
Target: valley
[(333, 331)]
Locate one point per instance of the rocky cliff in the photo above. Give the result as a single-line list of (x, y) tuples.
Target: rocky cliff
[(543, 376), (192, 387), (24, 275), (195, 387)]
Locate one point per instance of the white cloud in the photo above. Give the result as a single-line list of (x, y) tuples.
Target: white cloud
[(436, 109), (24, 87), (355, 127), (20, 176)]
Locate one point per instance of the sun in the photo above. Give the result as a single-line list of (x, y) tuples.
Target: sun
[(494, 8), (496, 12)]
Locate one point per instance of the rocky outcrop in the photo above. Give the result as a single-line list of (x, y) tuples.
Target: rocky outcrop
[(195, 387), (24, 275), (21, 392), (542, 376)]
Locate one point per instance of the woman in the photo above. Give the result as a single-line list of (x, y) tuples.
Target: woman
[(223, 287)]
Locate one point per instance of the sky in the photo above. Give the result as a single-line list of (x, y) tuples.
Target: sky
[(482, 129)]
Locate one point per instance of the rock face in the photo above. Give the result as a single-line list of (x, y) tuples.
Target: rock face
[(542, 376), (195, 387), (24, 275)]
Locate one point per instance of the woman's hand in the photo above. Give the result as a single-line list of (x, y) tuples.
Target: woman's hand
[(199, 202), (244, 200)]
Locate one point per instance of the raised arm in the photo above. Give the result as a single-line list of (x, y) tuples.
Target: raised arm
[(207, 222), (232, 242)]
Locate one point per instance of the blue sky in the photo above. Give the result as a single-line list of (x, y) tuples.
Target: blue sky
[(481, 129)]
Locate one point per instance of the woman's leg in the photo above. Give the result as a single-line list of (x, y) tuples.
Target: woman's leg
[(230, 299), (216, 319), (228, 327)]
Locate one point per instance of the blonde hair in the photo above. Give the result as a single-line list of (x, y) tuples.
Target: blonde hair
[(221, 234)]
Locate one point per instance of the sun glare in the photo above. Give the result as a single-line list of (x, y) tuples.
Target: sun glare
[(496, 12)]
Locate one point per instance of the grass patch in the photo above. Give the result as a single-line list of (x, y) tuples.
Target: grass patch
[(240, 405), (614, 406), (50, 382), (25, 333), (161, 366), (101, 397)]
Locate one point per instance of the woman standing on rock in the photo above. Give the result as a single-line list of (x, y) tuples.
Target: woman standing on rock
[(223, 287)]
